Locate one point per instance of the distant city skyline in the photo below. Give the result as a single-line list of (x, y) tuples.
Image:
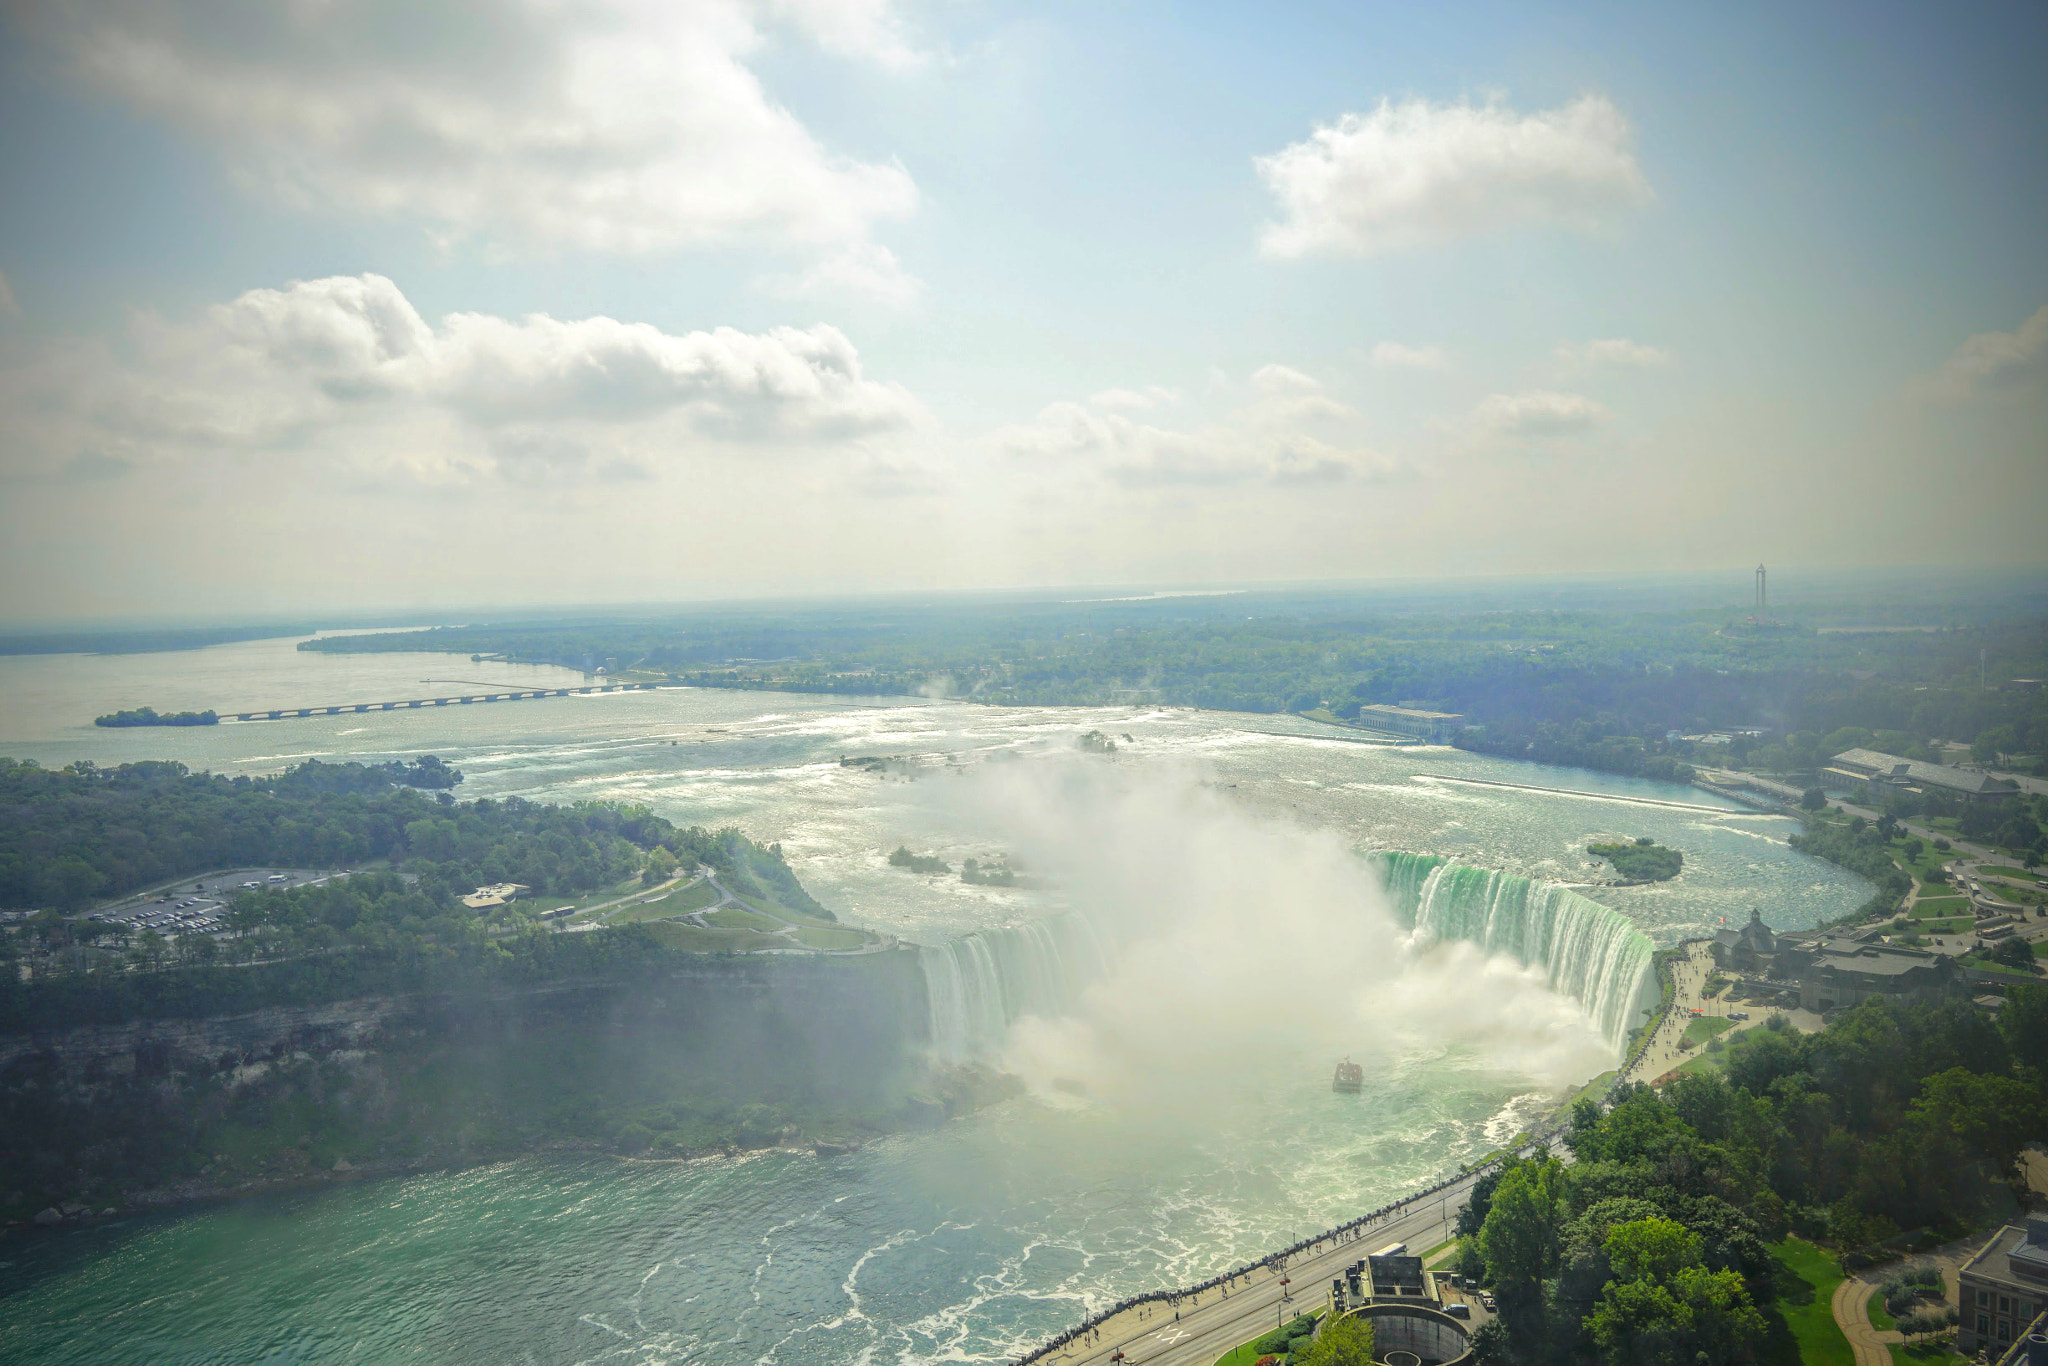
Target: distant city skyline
[(360, 307)]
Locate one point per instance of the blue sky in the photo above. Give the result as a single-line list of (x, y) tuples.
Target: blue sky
[(1009, 296)]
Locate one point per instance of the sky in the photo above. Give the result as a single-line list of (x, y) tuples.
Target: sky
[(328, 304)]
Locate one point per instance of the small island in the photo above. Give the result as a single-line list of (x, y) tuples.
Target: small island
[(1643, 861), (149, 716), (918, 863)]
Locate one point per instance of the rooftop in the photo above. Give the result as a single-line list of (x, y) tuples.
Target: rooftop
[(1876, 762), (2017, 1254)]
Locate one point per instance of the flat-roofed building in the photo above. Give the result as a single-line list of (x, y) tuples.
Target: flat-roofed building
[(1836, 973), (1889, 770), (1437, 726), (2003, 1287), (497, 894)]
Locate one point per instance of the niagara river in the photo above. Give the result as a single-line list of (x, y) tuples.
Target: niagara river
[(1208, 919)]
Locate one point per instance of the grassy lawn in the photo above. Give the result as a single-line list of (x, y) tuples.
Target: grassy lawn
[(674, 935), (1879, 1319), (1933, 1353), (1978, 960), (1706, 1027), (831, 937), (733, 918), (1243, 1355), (1704, 1062), (1808, 1312), (2020, 873), (1936, 907)]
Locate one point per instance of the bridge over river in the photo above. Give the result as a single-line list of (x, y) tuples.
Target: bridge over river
[(413, 703)]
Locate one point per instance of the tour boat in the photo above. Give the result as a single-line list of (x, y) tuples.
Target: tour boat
[(1350, 1077)]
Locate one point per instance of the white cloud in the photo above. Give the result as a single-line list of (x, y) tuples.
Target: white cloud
[(1280, 379), (1417, 173), (610, 125), (869, 29), (1540, 413), (1615, 351), (346, 367), (860, 270), (1287, 435), (1393, 355), (1151, 396), (1994, 360)]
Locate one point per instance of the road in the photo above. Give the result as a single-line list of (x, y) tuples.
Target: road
[(1218, 1320)]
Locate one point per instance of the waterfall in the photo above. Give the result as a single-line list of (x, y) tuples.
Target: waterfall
[(980, 983), (1590, 953)]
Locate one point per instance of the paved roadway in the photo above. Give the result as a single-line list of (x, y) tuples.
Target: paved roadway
[(1218, 1320)]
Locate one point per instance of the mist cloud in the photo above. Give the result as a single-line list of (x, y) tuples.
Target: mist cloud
[(1243, 945)]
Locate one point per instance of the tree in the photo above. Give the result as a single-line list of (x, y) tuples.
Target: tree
[(1651, 1249), (1519, 1236), (1990, 744), (1343, 1341), (661, 866), (1663, 1308), (2016, 953), (1814, 800), (1995, 1116), (1477, 1203)]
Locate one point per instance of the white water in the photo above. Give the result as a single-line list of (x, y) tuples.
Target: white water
[(1585, 951), (982, 983)]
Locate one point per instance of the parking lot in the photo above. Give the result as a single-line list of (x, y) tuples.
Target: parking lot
[(199, 905)]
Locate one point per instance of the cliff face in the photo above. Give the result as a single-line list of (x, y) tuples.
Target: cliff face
[(709, 1053)]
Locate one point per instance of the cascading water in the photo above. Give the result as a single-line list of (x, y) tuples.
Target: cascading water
[(1589, 952), (979, 984)]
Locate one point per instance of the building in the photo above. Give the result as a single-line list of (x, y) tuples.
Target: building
[(1834, 974), (1751, 949), (1436, 726), (497, 894), (1880, 770), (2032, 1348), (2003, 1287), (1829, 973)]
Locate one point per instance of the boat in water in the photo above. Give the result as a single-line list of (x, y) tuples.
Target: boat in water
[(1350, 1077)]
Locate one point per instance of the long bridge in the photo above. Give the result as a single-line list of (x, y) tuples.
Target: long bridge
[(413, 703)]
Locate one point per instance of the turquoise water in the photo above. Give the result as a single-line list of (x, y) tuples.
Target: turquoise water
[(968, 1242)]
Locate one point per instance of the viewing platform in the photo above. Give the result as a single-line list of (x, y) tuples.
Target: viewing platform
[(413, 703)]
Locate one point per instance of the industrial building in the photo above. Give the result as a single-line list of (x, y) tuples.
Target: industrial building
[(1856, 766)]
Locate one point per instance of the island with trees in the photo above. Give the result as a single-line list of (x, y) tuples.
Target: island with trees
[(149, 716), (1645, 860)]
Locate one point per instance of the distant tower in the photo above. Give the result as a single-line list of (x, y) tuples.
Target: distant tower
[(1763, 597)]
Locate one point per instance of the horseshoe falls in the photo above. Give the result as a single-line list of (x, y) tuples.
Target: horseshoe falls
[(1588, 952), (981, 983)]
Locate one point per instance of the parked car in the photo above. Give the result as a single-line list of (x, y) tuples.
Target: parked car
[(1458, 1310)]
